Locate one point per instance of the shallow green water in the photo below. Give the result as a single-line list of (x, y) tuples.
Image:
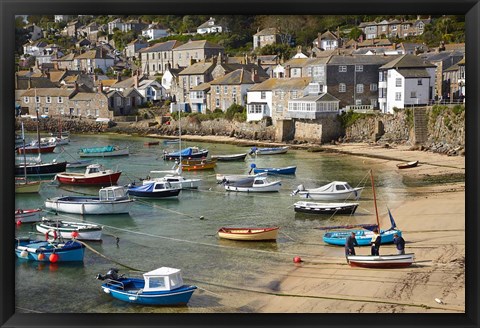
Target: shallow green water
[(171, 232)]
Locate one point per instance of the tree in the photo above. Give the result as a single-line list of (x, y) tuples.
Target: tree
[(355, 33)]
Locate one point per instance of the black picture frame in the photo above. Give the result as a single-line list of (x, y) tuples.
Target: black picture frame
[(9, 8)]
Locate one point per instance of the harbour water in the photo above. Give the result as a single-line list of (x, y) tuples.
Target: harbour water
[(181, 232)]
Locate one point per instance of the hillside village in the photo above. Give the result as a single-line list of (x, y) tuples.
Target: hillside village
[(378, 71)]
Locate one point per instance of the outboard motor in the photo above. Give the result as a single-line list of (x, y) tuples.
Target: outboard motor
[(253, 150), (111, 274), (299, 188)]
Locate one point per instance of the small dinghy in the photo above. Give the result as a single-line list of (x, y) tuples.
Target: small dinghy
[(49, 251), (248, 234), (273, 170), (69, 230), (336, 190), (407, 165), (228, 158), (257, 184), (325, 208), (163, 286), (381, 261), (28, 215), (268, 151), (107, 151)]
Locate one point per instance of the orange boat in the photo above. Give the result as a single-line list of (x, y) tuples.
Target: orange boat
[(200, 164), (249, 234)]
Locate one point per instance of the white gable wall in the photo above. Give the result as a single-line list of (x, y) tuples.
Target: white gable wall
[(256, 97)]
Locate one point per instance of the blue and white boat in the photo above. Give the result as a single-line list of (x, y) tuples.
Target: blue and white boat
[(187, 153), (163, 286), (49, 251), (154, 189), (268, 151), (363, 237), (273, 170)]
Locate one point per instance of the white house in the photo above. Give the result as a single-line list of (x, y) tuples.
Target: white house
[(405, 82), (154, 31), (116, 23), (151, 90), (210, 27)]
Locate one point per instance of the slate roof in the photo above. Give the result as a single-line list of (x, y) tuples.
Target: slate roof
[(237, 77), (413, 73), (68, 57), (296, 62), (84, 96), (163, 46), (406, 61), (267, 31), (296, 83), (52, 92), (360, 60), (442, 55), (199, 44), (35, 82), (201, 87), (207, 23), (199, 68)]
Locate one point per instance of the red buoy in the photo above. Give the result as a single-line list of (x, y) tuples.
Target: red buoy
[(19, 223), (53, 258), (297, 259), (74, 234)]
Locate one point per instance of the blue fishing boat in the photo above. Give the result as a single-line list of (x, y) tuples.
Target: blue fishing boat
[(187, 153), (154, 189), (273, 170), (106, 151), (50, 250), (363, 237), (163, 286)]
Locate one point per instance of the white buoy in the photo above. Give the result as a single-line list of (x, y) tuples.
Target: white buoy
[(24, 253)]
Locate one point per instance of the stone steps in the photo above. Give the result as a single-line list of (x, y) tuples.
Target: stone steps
[(420, 123)]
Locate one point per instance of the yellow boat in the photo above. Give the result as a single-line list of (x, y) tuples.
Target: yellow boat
[(200, 164), (23, 186), (248, 234)]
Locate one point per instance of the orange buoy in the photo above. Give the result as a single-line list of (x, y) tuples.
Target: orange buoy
[(41, 257), (297, 259), (74, 234), (53, 258)]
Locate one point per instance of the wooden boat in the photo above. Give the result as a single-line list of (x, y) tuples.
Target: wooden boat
[(33, 148), (200, 164), (95, 174), (79, 163), (50, 251), (336, 190), (275, 170), (268, 151), (231, 178), (407, 165), (248, 234), (325, 208), (187, 153), (163, 286), (69, 230), (111, 200), (106, 151), (154, 189), (382, 261), (254, 184), (151, 143), (228, 158), (23, 186), (28, 215)]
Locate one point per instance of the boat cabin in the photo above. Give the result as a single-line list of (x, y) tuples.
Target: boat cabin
[(162, 279), (112, 193), (94, 168)]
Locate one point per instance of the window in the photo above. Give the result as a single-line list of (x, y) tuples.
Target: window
[(279, 108), (225, 89), (413, 94), (398, 82), (156, 282), (60, 100), (26, 99), (217, 103), (119, 101), (49, 100), (419, 82), (359, 88), (294, 94), (342, 69), (373, 87), (128, 101), (263, 95), (37, 99), (45, 110), (358, 68), (398, 96), (217, 89), (342, 87), (153, 67)]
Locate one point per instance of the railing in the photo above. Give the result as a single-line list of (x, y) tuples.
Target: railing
[(358, 107)]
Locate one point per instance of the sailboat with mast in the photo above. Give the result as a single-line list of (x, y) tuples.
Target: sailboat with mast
[(37, 167), (22, 185)]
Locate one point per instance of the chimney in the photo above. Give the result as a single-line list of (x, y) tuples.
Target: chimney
[(287, 71), (101, 87), (259, 62), (47, 73), (118, 77), (29, 82), (16, 81), (254, 76), (136, 80)]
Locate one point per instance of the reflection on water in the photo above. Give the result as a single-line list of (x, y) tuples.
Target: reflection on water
[(182, 232)]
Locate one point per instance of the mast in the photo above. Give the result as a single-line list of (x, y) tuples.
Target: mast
[(24, 156), (38, 123), (374, 199)]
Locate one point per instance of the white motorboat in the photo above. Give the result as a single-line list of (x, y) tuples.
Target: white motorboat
[(254, 184), (231, 178), (69, 229), (336, 190)]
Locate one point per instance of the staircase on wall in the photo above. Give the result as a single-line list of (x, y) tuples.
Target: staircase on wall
[(420, 125)]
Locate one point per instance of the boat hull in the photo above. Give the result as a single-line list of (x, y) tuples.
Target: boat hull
[(382, 261), (41, 169), (120, 152), (407, 165), (248, 234), (280, 170), (88, 205), (271, 151), (78, 179), (363, 237), (28, 216), (28, 187), (179, 296), (65, 230), (272, 187), (201, 154), (34, 150), (231, 178), (154, 194), (349, 195), (229, 158), (65, 254), (325, 208), (178, 182)]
